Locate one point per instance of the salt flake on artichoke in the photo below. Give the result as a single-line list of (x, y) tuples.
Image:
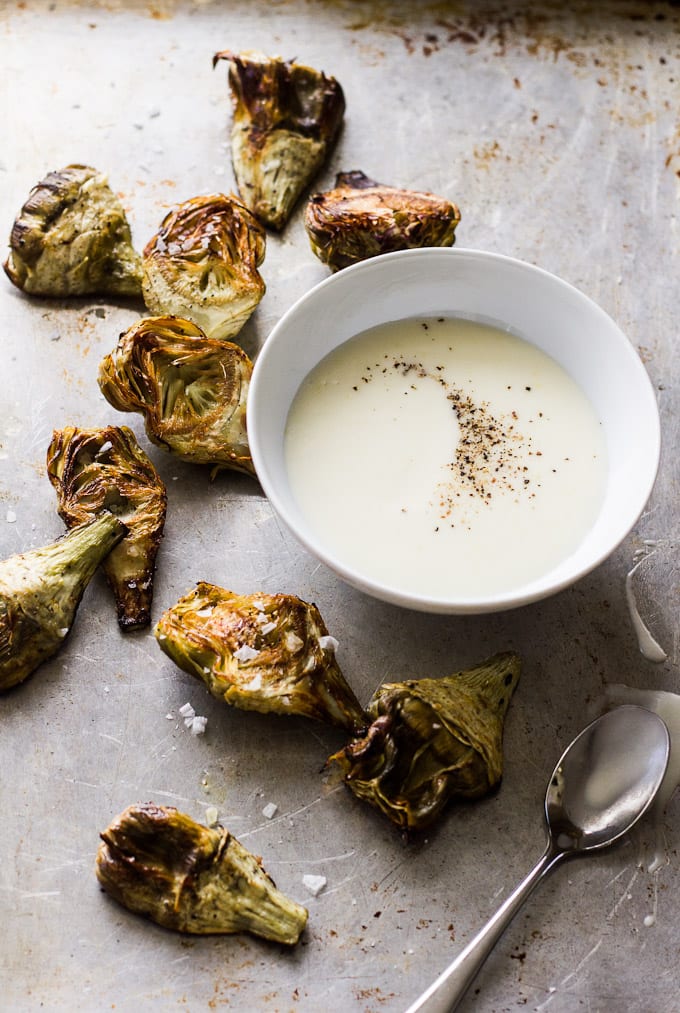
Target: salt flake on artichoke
[(40, 592), (203, 264), (72, 238), (191, 390), (106, 469), (431, 740), (158, 862), (286, 119), (260, 652), (360, 219)]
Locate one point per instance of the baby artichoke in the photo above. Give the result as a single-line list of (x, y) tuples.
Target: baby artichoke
[(191, 390), (72, 238), (432, 740), (40, 591), (264, 652), (106, 469), (159, 862), (202, 264), (286, 119), (361, 218)]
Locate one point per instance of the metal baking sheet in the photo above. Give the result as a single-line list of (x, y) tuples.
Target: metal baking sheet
[(556, 131)]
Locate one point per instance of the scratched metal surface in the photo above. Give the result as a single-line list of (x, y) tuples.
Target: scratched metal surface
[(557, 133)]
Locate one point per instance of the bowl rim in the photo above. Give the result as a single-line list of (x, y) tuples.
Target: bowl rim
[(535, 590)]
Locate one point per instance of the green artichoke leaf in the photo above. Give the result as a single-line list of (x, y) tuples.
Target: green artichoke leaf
[(40, 591), (191, 390), (160, 863), (72, 238), (265, 652), (360, 219), (286, 118), (105, 469), (431, 740), (203, 262)]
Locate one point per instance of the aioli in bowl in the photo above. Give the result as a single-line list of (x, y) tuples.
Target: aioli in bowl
[(445, 457)]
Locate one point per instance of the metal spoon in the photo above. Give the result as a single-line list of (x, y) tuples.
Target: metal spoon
[(604, 782)]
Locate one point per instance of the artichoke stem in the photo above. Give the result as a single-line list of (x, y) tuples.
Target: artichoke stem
[(40, 592), (72, 560)]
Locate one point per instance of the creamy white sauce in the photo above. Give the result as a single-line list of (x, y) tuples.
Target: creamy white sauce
[(650, 648), (445, 457)]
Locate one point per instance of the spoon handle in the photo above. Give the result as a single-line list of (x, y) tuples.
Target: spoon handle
[(448, 989)]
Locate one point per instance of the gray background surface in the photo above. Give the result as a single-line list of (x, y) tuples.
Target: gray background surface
[(558, 135)]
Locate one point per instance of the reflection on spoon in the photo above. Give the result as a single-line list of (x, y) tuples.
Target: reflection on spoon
[(667, 706)]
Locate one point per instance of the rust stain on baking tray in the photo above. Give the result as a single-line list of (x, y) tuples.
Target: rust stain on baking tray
[(542, 30), (373, 995), (611, 39)]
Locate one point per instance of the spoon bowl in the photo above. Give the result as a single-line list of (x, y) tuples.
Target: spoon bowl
[(606, 779), (604, 782)]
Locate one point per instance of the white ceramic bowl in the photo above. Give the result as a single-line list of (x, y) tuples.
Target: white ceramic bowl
[(514, 295)]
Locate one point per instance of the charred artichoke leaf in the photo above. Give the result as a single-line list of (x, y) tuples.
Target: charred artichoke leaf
[(105, 469), (203, 264), (159, 862), (40, 591), (191, 390), (360, 219), (286, 119), (265, 652), (431, 740), (72, 238)]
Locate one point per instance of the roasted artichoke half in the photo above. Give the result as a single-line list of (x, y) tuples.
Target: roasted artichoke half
[(106, 469), (203, 264), (361, 218), (159, 862), (431, 740), (191, 390), (264, 652), (286, 119), (40, 592), (72, 238)]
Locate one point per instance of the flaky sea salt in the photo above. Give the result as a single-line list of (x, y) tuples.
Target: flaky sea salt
[(211, 815), (198, 725), (293, 643), (245, 653), (10, 517), (314, 884), (270, 810), (328, 643)]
